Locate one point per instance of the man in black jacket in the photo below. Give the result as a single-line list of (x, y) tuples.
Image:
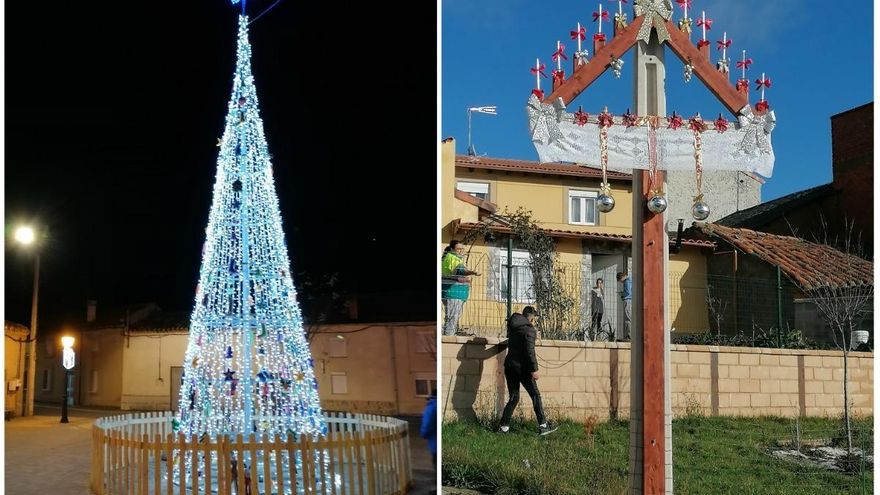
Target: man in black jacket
[(521, 367)]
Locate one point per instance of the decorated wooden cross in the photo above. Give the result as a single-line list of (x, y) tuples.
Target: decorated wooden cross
[(647, 143)]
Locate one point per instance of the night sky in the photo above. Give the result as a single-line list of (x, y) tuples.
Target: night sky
[(113, 110)]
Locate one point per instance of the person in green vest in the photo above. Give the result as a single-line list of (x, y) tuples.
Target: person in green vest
[(455, 285)]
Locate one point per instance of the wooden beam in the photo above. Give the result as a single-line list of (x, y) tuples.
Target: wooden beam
[(653, 325), (584, 75), (717, 82)]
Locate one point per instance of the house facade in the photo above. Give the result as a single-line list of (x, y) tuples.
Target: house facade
[(132, 359), (13, 365), (479, 192)]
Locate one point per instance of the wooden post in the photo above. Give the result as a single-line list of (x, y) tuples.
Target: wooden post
[(650, 466)]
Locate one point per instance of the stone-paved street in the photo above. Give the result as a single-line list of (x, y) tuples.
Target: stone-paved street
[(44, 456)]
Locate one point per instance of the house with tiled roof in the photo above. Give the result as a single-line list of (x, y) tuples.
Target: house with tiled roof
[(767, 279), (478, 191), (848, 198)]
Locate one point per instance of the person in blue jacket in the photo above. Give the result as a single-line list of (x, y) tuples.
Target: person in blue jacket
[(428, 430)]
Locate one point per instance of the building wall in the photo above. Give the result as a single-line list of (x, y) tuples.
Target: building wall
[(547, 198), (688, 309), (447, 187), (365, 358), (100, 359), (578, 381), (13, 367), (725, 191), (146, 377)]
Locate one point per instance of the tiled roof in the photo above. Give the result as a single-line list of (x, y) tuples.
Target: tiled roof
[(599, 236), (479, 203), (759, 215), (808, 264), (526, 166)]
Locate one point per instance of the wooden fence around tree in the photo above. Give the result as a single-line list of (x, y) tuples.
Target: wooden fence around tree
[(139, 453)]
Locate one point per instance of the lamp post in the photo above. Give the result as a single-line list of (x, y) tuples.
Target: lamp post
[(25, 236), (68, 359)]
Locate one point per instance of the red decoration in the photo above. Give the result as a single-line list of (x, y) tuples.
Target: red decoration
[(708, 23), (682, 3), (630, 120), (744, 64), (675, 122), (762, 82), (762, 105), (696, 124), (539, 69), (582, 33), (604, 16), (605, 119), (742, 84), (599, 37), (724, 44), (721, 124), (558, 77), (702, 43), (580, 117), (559, 53), (539, 93)]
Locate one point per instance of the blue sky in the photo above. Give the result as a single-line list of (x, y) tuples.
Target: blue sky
[(820, 62)]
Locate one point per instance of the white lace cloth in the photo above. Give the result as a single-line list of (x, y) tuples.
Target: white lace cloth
[(745, 145)]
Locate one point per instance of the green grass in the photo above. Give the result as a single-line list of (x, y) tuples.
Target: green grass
[(710, 456)]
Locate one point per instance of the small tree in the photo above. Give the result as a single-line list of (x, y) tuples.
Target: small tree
[(717, 310), (845, 302)]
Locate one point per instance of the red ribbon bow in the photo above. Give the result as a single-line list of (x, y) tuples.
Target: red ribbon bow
[(558, 76), (539, 69), (604, 16), (744, 64), (630, 120), (599, 37), (762, 105), (702, 43), (724, 44), (682, 3), (696, 124), (675, 121), (580, 117), (605, 119), (762, 82), (742, 84), (559, 53), (720, 124), (582, 33), (539, 93), (708, 23)]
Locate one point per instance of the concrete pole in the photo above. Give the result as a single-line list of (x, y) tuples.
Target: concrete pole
[(650, 99), (31, 358)]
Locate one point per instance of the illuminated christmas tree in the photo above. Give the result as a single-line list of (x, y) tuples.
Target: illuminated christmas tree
[(247, 367)]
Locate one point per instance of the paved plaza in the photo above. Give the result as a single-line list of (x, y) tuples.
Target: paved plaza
[(44, 456)]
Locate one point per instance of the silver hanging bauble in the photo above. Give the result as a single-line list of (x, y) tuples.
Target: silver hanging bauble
[(700, 210), (605, 203), (657, 204)]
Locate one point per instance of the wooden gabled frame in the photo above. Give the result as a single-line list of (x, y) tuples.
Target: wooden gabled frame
[(624, 39)]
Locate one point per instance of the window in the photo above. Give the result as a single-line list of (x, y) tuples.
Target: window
[(475, 189), (93, 381), (426, 387), (337, 346), (47, 380), (522, 288), (338, 383), (582, 207)]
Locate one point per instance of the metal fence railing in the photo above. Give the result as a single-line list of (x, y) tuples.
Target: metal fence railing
[(765, 312)]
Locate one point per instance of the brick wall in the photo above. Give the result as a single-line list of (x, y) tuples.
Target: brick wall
[(578, 381)]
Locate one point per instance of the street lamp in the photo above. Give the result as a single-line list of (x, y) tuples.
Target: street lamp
[(68, 359), (25, 236)]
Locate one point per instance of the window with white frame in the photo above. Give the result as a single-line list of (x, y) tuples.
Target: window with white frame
[(475, 189), (521, 286), (93, 381), (338, 383), (582, 207), (426, 385), (47, 380)]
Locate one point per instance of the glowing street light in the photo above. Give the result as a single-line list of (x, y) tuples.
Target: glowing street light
[(24, 235), (68, 359)]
